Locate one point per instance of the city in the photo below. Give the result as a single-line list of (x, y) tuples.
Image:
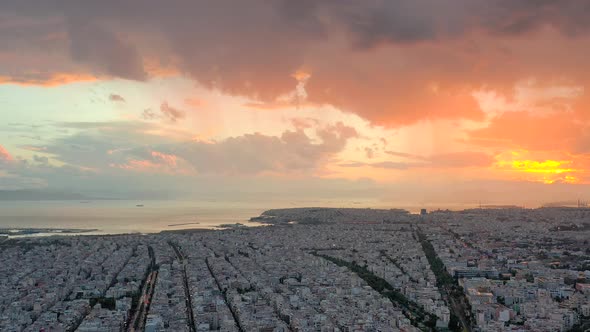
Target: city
[(295, 166), (318, 269)]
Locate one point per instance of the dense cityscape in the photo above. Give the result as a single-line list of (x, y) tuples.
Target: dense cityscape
[(318, 269), (295, 166)]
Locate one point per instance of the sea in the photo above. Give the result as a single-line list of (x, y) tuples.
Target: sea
[(129, 216)]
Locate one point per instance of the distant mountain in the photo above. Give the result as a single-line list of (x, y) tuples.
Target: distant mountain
[(35, 195), (500, 207), (567, 204)]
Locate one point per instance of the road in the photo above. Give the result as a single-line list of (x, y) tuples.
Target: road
[(187, 291), (460, 310), (233, 313), (447, 284), (137, 322)]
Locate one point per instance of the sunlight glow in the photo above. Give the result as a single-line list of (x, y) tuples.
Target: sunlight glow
[(547, 171)]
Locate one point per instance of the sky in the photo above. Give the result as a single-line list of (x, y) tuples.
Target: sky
[(413, 101)]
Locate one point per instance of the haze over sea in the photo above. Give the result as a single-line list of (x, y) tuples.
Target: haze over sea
[(125, 216)]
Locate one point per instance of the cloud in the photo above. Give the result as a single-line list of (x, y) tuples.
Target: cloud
[(304, 123), (92, 145), (392, 62), (168, 159), (293, 151), (412, 21), (32, 148), (353, 164), (4, 155), (461, 160), (171, 113), (465, 159), (405, 155), (118, 158), (194, 102), (128, 146), (48, 79), (167, 112), (116, 98), (148, 114), (41, 159), (14, 182), (104, 51), (152, 162), (513, 130), (394, 165)]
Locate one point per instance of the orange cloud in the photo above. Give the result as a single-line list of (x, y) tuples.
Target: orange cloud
[(155, 67), (167, 159), (47, 79), (138, 165), (364, 58), (301, 75), (4, 155), (277, 105), (147, 166), (194, 102), (466, 159), (153, 162), (559, 131)]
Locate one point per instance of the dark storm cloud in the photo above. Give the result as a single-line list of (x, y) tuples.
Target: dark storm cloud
[(515, 17), (193, 26), (409, 21), (102, 49), (398, 20), (252, 48)]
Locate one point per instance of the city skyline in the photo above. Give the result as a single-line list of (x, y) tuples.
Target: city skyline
[(310, 269)]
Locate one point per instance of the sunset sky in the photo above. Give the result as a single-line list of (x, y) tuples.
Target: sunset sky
[(414, 101)]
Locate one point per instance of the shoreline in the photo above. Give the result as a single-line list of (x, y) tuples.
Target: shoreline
[(286, 216)]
